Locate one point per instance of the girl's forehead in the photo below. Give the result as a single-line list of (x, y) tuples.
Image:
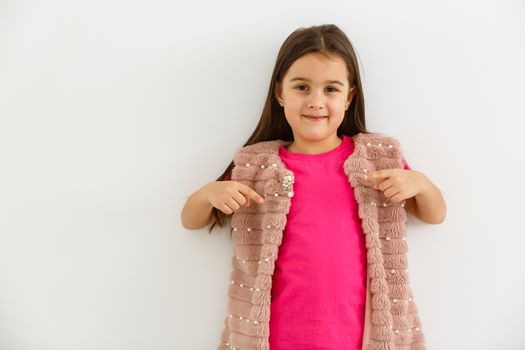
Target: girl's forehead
[(313, 67), (317, 59)]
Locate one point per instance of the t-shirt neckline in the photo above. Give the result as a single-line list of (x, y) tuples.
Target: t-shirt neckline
[(283, 152)]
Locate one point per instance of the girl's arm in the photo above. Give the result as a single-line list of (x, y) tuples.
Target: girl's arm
[(197, 212), (226, 196), (428, 205)]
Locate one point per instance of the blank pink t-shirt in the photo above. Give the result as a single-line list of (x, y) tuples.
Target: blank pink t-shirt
[(319, 283)]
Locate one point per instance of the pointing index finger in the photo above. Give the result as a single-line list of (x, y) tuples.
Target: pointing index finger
[(251, 194)]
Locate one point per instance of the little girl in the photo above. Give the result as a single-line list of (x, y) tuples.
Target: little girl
[(320, 255)]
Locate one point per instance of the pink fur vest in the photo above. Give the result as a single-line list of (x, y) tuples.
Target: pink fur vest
[(391, 315)]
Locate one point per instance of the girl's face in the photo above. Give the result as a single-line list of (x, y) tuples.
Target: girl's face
[(315, 86)]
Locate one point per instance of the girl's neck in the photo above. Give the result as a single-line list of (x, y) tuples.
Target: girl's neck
[(314, 147)]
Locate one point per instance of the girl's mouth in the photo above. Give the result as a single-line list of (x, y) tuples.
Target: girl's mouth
[(314, 117)]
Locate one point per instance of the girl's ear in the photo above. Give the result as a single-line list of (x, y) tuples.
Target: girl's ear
[(277, 91), (351, 93)]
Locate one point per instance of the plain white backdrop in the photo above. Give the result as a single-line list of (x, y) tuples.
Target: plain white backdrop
[(114, 112)]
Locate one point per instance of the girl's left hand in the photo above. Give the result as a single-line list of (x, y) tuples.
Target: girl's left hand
[(398, 184)]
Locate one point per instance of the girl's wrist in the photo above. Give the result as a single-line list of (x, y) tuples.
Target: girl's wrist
[(203, 193), (425, 185)]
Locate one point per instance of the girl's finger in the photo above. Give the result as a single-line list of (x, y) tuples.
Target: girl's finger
[(249, 193)]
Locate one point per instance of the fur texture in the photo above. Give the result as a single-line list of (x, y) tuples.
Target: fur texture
[(391, 315)]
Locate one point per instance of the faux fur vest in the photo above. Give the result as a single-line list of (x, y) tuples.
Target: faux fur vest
[(391, 315)]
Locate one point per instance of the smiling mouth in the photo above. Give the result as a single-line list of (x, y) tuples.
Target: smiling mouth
[(315, 117)]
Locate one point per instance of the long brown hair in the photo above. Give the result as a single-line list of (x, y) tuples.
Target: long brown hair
[(327, 40)]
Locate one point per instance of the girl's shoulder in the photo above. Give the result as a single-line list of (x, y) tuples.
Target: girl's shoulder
[(270, 147), (376, 138)]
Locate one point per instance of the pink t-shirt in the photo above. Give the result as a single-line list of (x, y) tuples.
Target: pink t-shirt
[(319, 282)]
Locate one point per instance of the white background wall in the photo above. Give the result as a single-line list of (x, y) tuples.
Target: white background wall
[(114, 112)]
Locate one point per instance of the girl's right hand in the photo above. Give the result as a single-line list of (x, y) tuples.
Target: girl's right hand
[(229, 196)]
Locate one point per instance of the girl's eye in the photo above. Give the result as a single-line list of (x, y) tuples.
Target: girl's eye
[(299, 87)]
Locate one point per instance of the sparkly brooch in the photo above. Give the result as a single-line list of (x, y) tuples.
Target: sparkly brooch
[(288, 180)]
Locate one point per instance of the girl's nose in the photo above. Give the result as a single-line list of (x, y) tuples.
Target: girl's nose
[(316, 101), (315, 105)]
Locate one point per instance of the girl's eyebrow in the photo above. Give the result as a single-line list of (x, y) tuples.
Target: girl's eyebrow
[(327, 81)]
